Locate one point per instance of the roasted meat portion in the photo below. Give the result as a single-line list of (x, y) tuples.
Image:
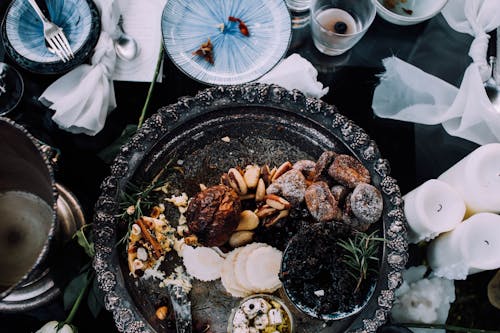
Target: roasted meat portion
[(213, 214)]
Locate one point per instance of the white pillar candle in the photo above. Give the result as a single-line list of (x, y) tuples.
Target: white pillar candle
[(473, 246), (477, 178), (432, 208)]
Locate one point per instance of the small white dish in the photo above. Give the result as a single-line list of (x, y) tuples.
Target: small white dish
[(409, 12)]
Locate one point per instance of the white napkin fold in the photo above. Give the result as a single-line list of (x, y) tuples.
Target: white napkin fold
[(295, 72), (142, 21), (83, 97), (409, 94), (475, 17)]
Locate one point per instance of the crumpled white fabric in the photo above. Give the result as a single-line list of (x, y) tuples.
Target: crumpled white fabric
[(409, 94), (83, 97), (295, 72), (476, 18)]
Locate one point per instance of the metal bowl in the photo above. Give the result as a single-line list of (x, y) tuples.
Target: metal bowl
[(265, 124)]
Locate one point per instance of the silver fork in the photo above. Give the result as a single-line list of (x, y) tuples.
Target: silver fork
[(54, 36)]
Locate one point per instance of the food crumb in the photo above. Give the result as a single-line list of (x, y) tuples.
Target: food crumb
[(226, 139), (319, 293)]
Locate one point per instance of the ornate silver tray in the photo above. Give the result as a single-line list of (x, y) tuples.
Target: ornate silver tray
[(266, 124)]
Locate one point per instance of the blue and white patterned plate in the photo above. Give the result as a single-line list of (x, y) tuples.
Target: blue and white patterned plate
[(22, 33), (187, 24)]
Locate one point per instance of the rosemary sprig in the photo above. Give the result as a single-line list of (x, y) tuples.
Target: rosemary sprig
[(137, 200), (360, 252)]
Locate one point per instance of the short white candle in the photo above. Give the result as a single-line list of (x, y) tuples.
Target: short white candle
[(432, 208), (473, 246), (477, 178)]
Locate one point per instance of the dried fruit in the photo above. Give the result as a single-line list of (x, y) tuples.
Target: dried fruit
[(241, 25), (366, 203), (321, 203), (291, 185), (348, 171), (206, 51), (323, 163)]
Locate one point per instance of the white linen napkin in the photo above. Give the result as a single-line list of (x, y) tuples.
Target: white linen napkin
[(142, 21), (409, 94), (83, 97), (295, 72), (475, 17)]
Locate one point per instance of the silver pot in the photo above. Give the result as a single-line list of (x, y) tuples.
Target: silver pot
[(28, 200)]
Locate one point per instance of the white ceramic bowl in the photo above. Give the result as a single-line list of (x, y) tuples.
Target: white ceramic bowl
[(421, 10)]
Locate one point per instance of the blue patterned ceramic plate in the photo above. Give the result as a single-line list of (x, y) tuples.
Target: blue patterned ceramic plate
[(237, 58), (22, 33), (11, 88)]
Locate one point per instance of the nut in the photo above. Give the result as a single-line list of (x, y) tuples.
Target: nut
[(281, 170), (265, 211), (252, 175), (273, 219), (248, 221), (161, 312), (241, 238), (203, 187), (265, 173), (277, 202), (247, 196), (236, 181), (260, 192)]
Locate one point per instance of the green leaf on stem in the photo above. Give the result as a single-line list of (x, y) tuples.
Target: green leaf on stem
[(74, 288), (84, 242), (95, 299)]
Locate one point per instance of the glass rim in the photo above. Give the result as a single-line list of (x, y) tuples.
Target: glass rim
[(369, 22)]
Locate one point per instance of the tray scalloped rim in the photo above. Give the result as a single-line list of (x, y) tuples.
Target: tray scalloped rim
[(395, 254)]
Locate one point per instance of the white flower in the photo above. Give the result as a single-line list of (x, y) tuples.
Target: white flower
[(51, 327)]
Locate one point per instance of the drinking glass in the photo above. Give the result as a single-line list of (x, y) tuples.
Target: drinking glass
[(337, 25), (298, 5)]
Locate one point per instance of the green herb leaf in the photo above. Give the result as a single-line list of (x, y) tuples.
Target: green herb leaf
[(84, 243), (95, 299), (73, 289)]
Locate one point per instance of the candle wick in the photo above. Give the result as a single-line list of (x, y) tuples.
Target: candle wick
[(440, 207)]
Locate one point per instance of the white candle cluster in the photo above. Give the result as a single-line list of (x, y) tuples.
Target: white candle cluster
[(431, 209), (470, 188)]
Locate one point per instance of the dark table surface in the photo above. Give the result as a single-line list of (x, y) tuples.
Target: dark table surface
[(416, 152)]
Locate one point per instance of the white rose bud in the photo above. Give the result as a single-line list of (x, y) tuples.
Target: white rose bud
[(51, 327)]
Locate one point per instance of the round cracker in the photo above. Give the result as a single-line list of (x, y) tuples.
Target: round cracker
[(228, 278), (262, 268), (240, 265), (203, 263)]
